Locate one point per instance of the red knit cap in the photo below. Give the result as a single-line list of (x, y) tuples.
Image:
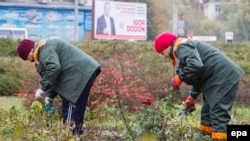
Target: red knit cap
[(163, 41), (24, 48)]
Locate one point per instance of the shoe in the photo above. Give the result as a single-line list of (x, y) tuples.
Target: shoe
[(76, 131)]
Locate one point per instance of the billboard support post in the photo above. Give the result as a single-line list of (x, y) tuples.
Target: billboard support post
[(76, 21)]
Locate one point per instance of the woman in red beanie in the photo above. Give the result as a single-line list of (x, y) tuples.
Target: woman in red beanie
[(65, 70), (209, 72)]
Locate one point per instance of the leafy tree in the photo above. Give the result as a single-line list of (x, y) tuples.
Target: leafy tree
[(235, 17), (192, 15), (205, 26), (157, 18), (245, 19), (225, 19)]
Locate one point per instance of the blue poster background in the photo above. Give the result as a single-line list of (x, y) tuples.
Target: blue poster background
[(88, 20), (46, 22)]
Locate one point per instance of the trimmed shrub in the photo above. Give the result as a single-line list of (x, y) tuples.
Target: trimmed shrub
[(8, 47)]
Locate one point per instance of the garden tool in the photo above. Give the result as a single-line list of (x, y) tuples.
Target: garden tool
[(49, 108), (189, 103), (49, 104), (183, 112), (189, 107)]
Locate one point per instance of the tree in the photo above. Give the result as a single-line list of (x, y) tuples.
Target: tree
[(245, 19), (192, 15), (235, 17)]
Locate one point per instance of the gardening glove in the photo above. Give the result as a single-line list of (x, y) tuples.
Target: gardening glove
[(39, 94), (189, 104), (49, 104), (176, 82)]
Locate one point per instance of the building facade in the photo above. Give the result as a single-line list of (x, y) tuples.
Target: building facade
[(212, 8), (62, 19)]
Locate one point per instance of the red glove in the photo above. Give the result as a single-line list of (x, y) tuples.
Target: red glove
[(189, 104), (176, 82)]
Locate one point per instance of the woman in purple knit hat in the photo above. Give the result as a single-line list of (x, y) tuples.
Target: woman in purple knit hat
[(66, 71)]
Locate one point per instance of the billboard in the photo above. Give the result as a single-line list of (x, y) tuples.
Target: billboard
[(120, 20), (205, 38)]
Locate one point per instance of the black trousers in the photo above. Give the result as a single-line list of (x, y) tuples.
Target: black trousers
[(78, 110)]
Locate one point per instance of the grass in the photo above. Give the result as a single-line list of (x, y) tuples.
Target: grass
[(240, 114), (114, 125), (9, 101)]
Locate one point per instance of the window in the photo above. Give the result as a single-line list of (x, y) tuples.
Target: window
[(217, 8), (13, 33)]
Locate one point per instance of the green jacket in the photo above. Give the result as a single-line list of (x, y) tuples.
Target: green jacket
[(64, 69), (207, 69)]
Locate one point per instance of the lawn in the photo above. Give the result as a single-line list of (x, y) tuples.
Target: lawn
[(240, 113), (105, 122), (9, 101)]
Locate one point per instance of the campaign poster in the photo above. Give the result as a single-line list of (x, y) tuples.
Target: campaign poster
[(120, 20)]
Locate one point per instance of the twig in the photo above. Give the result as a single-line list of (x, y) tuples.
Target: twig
[(123, 116)]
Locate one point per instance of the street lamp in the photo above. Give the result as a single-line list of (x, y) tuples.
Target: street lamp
[(175, 11)]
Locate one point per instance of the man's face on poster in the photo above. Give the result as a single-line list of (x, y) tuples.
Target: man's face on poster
[(106, 9)]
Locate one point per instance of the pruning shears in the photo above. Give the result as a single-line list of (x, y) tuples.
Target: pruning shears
[(183, 112)]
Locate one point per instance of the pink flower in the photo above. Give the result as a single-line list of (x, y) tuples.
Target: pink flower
[(147, 101)]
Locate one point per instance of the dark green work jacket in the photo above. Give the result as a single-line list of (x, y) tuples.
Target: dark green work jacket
[(64, 69), (207, 69)]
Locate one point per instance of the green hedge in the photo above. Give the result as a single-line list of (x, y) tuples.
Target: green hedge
[(13, 69), (9, 75), (8, 47), (10, 67)]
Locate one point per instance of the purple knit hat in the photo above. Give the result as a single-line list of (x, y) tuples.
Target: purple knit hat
[(24, 48)]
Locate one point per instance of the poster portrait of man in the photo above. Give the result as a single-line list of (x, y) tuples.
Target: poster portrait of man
[(105, 23)]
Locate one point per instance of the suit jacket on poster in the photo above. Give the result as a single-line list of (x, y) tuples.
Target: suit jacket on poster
[(101, 25)]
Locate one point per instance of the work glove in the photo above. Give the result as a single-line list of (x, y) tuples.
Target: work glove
[(176, 82), (39, 94), (49, 104), (189, 104)]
